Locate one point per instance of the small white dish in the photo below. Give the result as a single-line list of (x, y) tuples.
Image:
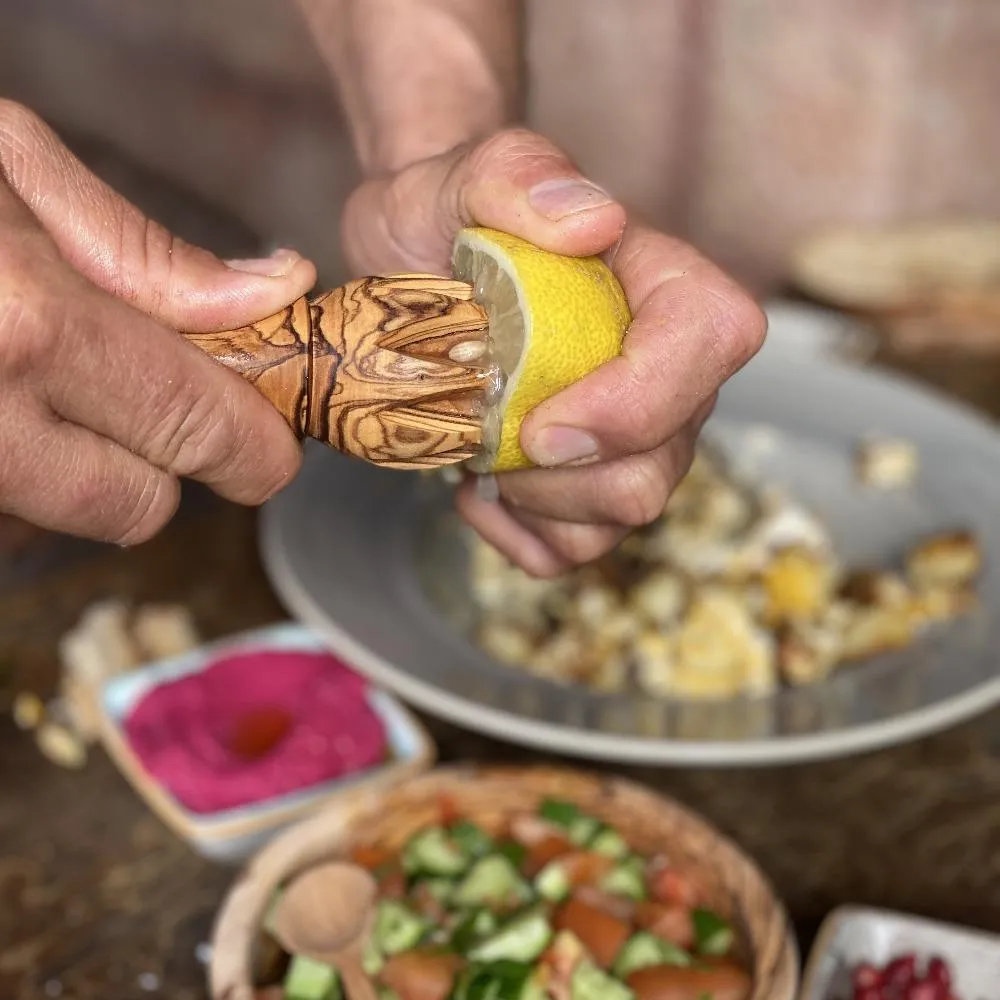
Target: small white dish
[(851, 935), (232, 835)]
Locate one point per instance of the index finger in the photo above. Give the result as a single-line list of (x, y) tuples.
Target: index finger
[(693, 328), (115, 371)]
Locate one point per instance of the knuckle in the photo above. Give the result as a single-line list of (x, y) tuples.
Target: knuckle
[(640, 494), (742, 327), (30, 318), (19, 126), (148, 510), (512, 147), (578, 544)]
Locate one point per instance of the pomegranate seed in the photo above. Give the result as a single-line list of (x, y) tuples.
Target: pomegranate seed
[(938, 971), (923, 990), (866, 976), (868, 993), (900, 972)]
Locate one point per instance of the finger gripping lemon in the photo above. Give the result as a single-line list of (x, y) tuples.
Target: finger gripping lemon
[(553, 320)]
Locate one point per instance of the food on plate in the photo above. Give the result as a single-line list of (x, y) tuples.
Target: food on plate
[(887, 463), (253, 725), (553, 320), (548, 905), (904, 977), (737, 588)]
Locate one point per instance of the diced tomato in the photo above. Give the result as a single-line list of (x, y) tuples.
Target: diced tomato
[(601, 934), (617, 906), (421, 975), (371, 856), (545, 850), (674, 982), (670, 921), (448, 810), (671, 885), (586, 867)]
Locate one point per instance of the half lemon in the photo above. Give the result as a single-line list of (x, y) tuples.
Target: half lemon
[(553, 320)]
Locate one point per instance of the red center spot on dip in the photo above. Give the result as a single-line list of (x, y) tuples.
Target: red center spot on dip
[(254, 725), (259, 731)]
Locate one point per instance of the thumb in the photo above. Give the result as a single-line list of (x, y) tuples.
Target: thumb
[(112, 243), (515, 181)]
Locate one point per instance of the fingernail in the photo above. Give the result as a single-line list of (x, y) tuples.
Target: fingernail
[(560, 446), (278, 265), (555, 199)]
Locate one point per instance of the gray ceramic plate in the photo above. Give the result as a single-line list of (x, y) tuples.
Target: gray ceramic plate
[(373, 561)]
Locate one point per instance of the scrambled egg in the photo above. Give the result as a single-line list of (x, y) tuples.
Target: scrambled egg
[(733, 590)]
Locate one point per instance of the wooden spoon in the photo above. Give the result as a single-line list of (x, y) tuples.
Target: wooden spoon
[(326, 914)]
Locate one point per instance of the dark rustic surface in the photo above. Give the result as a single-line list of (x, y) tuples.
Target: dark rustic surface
[(98, 901)]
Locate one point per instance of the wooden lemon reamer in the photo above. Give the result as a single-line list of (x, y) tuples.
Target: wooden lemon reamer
[(391, 369)]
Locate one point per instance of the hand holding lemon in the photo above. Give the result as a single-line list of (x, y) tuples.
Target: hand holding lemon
[(613, 443)]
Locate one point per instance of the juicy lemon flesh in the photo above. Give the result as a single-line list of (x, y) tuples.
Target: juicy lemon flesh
[(552, 320)]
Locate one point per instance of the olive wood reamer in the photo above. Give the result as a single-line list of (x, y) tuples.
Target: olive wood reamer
[(390, 369)]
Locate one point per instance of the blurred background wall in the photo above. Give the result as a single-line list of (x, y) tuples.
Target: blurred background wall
[(740, 124)]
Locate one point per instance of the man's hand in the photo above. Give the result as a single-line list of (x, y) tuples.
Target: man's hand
[(103, 406), (614, 445)]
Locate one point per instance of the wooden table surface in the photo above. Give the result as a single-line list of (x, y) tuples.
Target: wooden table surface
[(98, 901)]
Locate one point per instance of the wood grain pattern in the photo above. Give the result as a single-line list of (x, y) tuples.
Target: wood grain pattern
[(368, 369), (489, 795)]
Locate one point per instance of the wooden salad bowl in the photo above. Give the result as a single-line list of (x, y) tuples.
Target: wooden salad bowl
[(487, 795)]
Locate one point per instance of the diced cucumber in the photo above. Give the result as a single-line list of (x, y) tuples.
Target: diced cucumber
[(713, 935), (552, 882), (499, 981), (471, 839), (397, 927), (643, 950), (561, 813), (521, 939), (583, 829), (512, 851), (472, 928), (590, 983), (610, 843), (493, 880), (628, 879), (431, 852), (307, 979)]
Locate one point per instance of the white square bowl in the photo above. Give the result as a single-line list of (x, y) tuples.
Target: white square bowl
[(854, 934), (232, 835)]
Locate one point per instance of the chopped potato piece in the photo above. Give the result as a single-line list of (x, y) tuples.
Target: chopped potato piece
[(887, 463), (952, 560)]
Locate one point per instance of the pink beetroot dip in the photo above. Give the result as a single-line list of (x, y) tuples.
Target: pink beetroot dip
[(255, 725)]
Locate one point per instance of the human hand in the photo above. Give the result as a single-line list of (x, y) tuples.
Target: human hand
[(103, 407), (613, 446)]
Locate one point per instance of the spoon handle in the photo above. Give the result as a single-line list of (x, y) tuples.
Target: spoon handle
[(357, 984), (388, 369)]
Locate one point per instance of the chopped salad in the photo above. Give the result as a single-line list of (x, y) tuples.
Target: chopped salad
[(556, 905)]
